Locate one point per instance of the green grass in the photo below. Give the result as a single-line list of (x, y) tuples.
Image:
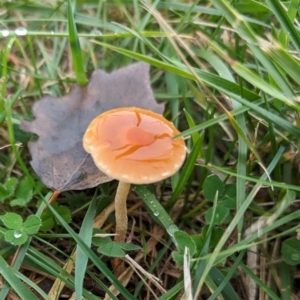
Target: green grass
[(228, 74)]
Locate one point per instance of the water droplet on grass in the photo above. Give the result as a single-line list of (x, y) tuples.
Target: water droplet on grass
[(172, 229), (21, 31), (96, 32), (295, 256), (156, 213), (5, 32), (17, 234)]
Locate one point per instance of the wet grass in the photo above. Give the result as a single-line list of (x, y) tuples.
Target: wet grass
[(225, 226)]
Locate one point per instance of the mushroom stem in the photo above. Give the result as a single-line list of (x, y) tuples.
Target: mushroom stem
[(121, 211), (121, 222)]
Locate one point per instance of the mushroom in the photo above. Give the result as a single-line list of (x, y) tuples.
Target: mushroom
[(136, 146)]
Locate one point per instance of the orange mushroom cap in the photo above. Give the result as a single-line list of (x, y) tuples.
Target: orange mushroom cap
[(134, 145)]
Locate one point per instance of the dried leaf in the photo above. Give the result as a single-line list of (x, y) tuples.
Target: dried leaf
[(58, 156)]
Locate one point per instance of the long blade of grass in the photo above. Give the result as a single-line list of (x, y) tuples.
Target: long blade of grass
[(86, 232), (194, 135), (246, 32), (263, 85), (286, 23), (260, 283), (185, 174), (31, 283), (201, 265), (181, 70), (252, 179), (157, 210), (10, 129), (286, 280), (252, 240), (279, 121), (224, 280), (75, 48), (47, 265), (285, 60), (5, 105), (11, 278)]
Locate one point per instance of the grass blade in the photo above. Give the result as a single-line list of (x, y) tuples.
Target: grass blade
[(286, 23), (75, 48), (10, 277), (86, 232), (185, 174)]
